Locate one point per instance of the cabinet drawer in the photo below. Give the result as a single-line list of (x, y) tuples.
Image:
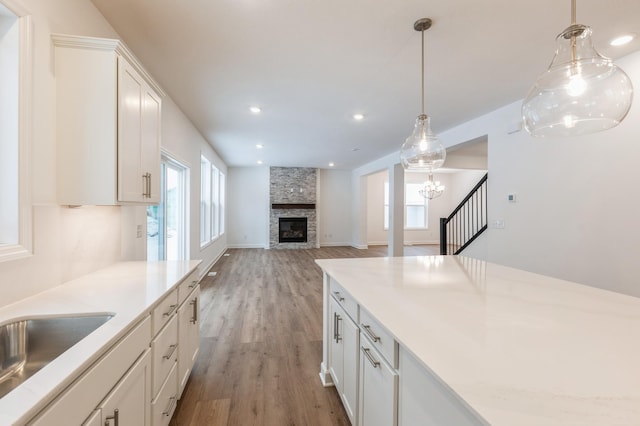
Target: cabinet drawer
[(162, 313), (345, 300), (164, 405), (186, 286), (164, 353), (380, 337)]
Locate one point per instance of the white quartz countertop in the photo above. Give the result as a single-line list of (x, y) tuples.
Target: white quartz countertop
[(128, 289), (519, 348)]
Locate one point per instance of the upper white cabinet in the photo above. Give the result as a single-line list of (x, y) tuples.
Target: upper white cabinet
[(108, 124)]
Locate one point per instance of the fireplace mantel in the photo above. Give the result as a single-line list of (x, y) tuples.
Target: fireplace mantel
[(290, 206)]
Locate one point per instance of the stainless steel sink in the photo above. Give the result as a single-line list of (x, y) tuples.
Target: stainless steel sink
[(28, 345)]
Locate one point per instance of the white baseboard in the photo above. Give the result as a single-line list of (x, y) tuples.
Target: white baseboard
[(360, 246), (260, 246), (205, 270), (344, 244)]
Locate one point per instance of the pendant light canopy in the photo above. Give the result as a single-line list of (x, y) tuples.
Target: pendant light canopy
[(422, 151), (581, 92)]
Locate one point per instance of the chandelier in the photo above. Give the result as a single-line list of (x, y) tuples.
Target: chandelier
[(431, 189)]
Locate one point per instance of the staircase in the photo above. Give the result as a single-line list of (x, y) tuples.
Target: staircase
[(466, 222)]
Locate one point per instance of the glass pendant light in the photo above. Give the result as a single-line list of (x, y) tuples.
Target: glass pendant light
[(422, 151), (581, 92)]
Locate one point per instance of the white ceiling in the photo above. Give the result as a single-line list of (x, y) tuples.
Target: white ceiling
[(311, 64)]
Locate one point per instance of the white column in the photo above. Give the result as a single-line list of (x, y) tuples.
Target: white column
[(396, 210)]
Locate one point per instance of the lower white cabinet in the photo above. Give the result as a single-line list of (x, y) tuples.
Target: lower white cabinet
[(189, 336), (123, 370), (164, 404), (378, 388), (343, 366), (127, 404), (424, 400)]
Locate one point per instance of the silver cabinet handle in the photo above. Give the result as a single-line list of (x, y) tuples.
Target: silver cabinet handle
[(170, 311), (335, 327), (338, 336), (172, 349), (370, 357), (147, 185), (172, 403), (144, 185), (149, 179), (373, 337), (193, 284), (339, 296), (194, 303), (115, 419)]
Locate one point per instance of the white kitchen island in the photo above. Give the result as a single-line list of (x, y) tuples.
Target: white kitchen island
[(479, 343)]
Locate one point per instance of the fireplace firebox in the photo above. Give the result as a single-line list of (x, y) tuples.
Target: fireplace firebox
[(292, 230)]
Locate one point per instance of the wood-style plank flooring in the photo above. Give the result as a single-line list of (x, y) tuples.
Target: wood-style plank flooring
[(261, 341)]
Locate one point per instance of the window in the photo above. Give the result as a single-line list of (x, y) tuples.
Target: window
[(415, 207), (212, 202), (15, 119), (205, 201), (167, 223)]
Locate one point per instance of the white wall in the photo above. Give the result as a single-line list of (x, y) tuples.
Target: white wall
[(577, 209), (248, 207), (182, 141), (334, 228), (457, 184), (72, 242)]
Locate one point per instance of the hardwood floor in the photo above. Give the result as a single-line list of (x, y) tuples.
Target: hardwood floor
[(261, 341)]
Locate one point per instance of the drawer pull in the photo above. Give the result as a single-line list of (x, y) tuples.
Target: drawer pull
[(172, 403), (338, 296), (193, 284), (194, 303), (172, 349), (367, 329), (372, 360), (115, 419), (170, 311)]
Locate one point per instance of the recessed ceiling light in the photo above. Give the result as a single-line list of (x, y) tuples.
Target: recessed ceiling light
[(255, 109), (259, 146), (259, 161), (358, 117), (619, 41), (331, 164)]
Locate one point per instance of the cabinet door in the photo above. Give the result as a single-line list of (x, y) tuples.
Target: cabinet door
[(188, 336), (131, 182), (336, 350), (150, 143), (351, 358), (128, 404), (378, 389)]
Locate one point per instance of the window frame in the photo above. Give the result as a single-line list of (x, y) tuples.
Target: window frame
[(212, 217), (385, 217), (24, 246)]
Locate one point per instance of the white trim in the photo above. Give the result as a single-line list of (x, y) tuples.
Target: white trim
[(204, 271), (332, 244), (359, 246), (24, 247), (250, 246), (108, 44)]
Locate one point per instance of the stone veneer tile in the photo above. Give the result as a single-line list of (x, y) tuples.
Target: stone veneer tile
[(292, 185)]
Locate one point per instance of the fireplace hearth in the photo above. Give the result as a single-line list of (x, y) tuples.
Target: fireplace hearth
[(292, 230)]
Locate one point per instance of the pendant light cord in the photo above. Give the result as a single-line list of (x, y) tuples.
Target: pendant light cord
[(573, 12), (422, 75)]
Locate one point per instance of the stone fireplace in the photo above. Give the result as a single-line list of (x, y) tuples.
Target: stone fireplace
[(293, 202)]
